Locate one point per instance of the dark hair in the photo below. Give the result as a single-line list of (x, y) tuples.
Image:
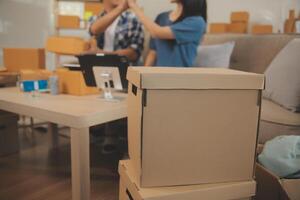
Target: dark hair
[(193, 8)]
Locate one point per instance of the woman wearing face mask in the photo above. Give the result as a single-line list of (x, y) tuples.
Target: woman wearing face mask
[(176, 34)]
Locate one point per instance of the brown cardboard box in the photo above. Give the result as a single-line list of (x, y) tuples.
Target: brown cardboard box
[(270, 186), (184, 124), (9, 138), (8, 79), (262, 29), (238, 27), (93, 7), (35, 74), (242, 16), (66, 45), (72, 82), (67, 21), (218, 28), (16, 59), (130, 190)]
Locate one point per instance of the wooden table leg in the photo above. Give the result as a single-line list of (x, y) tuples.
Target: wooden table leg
[(80, 155), (53, 134)]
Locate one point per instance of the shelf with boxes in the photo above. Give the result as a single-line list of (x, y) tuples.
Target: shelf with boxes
[(72, 20), (192, 134), (239, 23)]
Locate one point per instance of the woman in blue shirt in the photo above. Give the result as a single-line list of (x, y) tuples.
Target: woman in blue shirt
[(176, 34)]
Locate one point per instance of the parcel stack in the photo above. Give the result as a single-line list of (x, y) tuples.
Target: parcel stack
[(192, 134)]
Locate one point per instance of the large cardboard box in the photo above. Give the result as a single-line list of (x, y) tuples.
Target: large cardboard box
[(218, 28), (262, 29), (130, 190), (238, 27), (9, 138), (72, 82), (192, 125), (242, 16), (16, 59), (270, 186), (66, 45), (68, 21)]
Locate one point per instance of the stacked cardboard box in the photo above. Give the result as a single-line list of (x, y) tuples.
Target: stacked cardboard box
[(68, 21), (218, 28), (66, 45), (239, 22), (16, 59), (262, 29), (193, 127), (72, 82)]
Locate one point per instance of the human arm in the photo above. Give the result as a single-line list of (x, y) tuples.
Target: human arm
[(101, 24), (151, 58), (155, 30)]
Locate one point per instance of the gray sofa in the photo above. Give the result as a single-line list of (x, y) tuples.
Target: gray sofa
[(254, 53)]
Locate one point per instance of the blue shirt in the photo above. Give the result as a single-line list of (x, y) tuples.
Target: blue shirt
[(181, 51)]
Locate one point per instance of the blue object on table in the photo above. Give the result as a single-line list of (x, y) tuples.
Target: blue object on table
[(42, 84), (28, 86)]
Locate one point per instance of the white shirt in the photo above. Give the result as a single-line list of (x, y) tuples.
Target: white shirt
[(109, 36)]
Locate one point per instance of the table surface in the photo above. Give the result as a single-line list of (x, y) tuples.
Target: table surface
[(72, 111)]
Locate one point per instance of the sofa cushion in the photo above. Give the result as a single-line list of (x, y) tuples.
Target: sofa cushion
[(252, 53), (217, 56), (272, 112), (283, 77)]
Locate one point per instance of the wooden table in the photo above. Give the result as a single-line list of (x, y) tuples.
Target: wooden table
[(78, 113)]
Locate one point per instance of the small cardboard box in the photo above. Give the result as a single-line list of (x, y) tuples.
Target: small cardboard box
[(16, 59), (66, 45), (35, 75), (242, 16), (8, 79), (93, 7), (72, 82), (68, 21), (130, 190), (218, 28), (238, 27), (270, 186), (262, 29), (184, 124)]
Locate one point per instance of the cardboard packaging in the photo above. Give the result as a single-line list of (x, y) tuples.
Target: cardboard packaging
[(184, 124), (72, 82), (270, 186), (16, 59), (68, 21), (240, 17), (8, 79), (130, 190), (218, 28), (238, 27), (66, 45), (9, 138), (262, 29), (93, 7), (34, 75)]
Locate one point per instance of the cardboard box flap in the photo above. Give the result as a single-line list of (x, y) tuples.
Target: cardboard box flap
[(237, 190), (292, 188), (193, 78)]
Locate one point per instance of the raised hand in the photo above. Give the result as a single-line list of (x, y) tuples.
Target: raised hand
[(132, 4), (123, 4)]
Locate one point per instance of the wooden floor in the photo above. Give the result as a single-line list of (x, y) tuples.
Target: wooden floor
[(39, 172)]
